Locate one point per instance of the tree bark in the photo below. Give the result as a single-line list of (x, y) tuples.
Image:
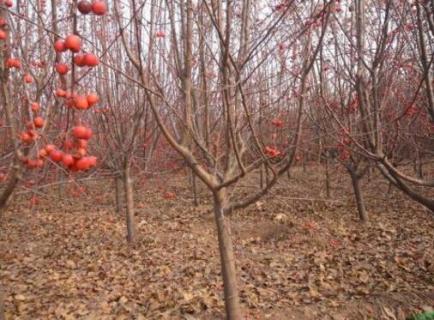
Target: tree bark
[(355, 180), (131, 231), (15, 171), (232, 303), (9, 189)]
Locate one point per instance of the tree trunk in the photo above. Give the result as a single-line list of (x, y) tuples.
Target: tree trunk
[(118, 195), (131, 231), (8, 190), (227, 258), (355, 180)]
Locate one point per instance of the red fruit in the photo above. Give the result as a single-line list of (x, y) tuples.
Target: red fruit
[(99, 7), (31, 164), (67, 160), (79, 60), (92, 99), (88, 133), (33, 134), (13, 63), (39, 122), (277, 123), (59, 46), (42, 153), (81, 132), (62, 68), (84, 7), (160, 34), (60, 93), (80, 102), (2, 22), (91, 60), (73, 43), (35, 107), (25, 137), (39, 163), (9, 3), (28, 78), (56, 155), (83, 164), (50, 148), (3, 35), (272, 152), (17, 64)]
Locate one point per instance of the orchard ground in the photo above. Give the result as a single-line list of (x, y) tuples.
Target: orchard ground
[(299, 255)]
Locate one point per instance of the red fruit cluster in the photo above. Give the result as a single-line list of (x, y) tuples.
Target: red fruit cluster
[(28, 78), (87, 59), (98, 7), (79, 161), (160, 34), (74, 157), (73, 43), (76, 101), (277, 123), (30, 135), (3, 23), (13, 63), (272, 152), (7, 3)]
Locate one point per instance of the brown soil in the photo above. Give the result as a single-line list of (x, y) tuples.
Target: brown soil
[(299, 255)]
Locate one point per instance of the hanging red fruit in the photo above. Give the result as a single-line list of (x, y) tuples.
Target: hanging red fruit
[(80, 102), (67, 160), (28, 78), (62, 68), (73, 43), (38, 122), (91, 60), (99, 7), (56, 155), (84, 7), (92, 99), (79, 60), (59, 46)]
